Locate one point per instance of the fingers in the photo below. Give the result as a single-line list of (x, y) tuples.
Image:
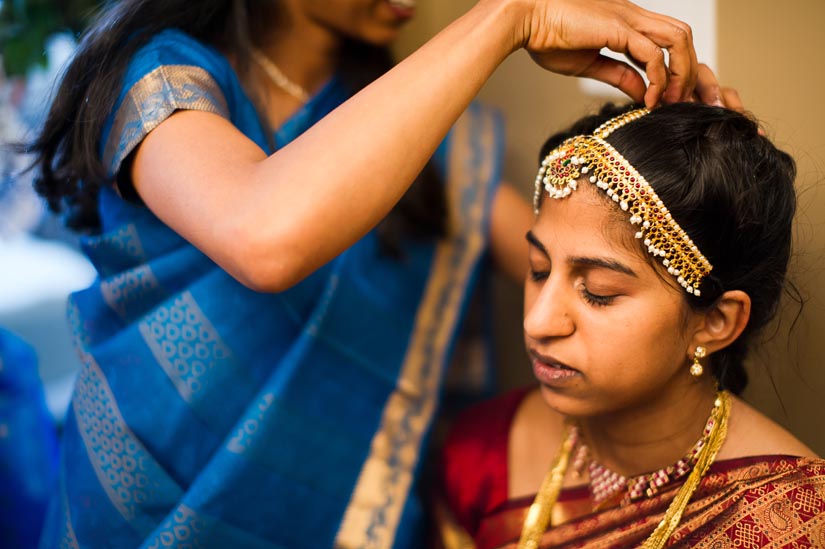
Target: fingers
[(592, 64), (708, 89), (721, 97), (647, 35), (619, 75), (731, 99), (676, 37), (578, 25), (646, 53)]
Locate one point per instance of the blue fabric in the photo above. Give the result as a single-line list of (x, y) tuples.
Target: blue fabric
[(209, 415), (28, 445)]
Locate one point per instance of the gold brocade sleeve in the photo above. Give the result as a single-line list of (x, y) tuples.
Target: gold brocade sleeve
[(152, 99)]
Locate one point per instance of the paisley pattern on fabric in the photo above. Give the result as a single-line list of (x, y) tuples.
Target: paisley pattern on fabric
[(182, 529), (130, 289), (759, 502), (187, 346), (124, 468), (241, 441), (123, 242)]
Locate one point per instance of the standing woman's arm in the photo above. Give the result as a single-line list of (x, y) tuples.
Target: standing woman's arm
[(271, 221), (511, 218)]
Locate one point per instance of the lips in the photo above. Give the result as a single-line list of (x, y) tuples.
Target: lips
[(550, 371), (402, 8)]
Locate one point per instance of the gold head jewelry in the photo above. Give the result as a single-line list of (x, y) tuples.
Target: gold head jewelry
[(610, 171)]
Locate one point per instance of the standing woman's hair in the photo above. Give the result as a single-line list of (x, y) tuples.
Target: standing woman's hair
[(66, 151), (70, 172), (731, 190)]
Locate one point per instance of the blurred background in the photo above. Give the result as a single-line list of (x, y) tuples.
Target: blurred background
[(773, 54), (39, 266), (39, 260)]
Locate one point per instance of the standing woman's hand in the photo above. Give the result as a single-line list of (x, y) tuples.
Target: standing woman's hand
[(709, 91), (256, 215), (565, 36)]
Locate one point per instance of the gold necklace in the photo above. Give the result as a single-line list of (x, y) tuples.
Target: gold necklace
[(605, 483), (538, 517), (278, 77)]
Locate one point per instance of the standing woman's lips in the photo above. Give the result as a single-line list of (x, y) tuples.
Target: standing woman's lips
[(403, 8), (550, 371)]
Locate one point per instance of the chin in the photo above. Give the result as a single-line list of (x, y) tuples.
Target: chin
[(562, 403), (382, 38), (575, 406)]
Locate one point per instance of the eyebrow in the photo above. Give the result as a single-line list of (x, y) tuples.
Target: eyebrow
[(587, 262), (531, 238)]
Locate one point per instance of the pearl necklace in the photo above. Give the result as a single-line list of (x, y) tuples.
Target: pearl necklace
[(278, 77), (538, 516)]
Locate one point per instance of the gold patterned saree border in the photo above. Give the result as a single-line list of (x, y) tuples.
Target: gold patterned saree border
[(124, 468), (378, 500)]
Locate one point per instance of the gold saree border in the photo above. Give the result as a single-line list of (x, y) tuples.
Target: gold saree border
[(374, 511), (123, 466), (152, 99)]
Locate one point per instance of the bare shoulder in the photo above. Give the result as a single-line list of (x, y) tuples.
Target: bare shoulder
[(751, 433), (535, 436)]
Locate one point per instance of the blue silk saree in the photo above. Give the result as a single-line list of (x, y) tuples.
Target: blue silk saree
[(209, 415)]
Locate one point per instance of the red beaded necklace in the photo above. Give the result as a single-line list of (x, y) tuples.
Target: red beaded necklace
[(605, 484)]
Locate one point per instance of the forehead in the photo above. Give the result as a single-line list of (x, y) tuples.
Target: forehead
[(587, 224), (586, 220)]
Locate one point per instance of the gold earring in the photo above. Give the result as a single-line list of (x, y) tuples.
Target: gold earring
[(696, 368)]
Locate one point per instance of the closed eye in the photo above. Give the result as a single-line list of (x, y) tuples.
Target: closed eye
[(597, 300)]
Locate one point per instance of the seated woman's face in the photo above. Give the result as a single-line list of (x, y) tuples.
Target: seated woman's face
[(604, 330)]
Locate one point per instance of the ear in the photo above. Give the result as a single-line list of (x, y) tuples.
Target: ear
[(724, 323)]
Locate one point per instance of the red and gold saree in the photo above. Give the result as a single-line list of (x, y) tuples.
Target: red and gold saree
[(748, 503)]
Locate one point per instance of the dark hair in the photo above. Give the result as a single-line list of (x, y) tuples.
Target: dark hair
[(70, 172), (730, 189)]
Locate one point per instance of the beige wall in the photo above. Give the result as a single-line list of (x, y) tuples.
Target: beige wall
[(774, 54)]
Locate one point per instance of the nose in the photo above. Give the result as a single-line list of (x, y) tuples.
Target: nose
[(547, 312)]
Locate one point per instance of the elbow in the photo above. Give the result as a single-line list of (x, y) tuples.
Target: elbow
[(266, 263), (268, 276)]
